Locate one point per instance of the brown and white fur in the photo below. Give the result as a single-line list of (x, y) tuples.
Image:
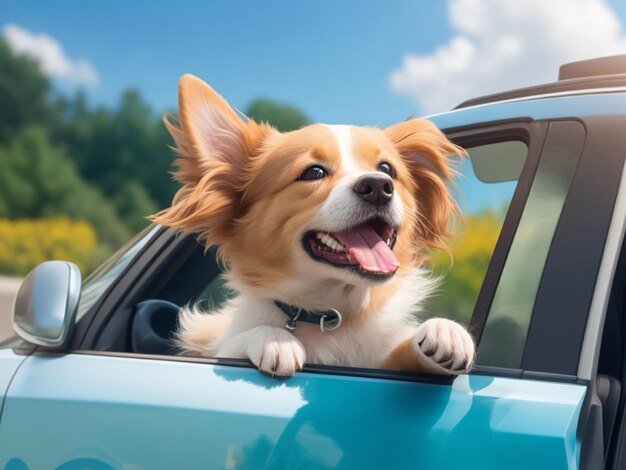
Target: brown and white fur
[(243, 189)]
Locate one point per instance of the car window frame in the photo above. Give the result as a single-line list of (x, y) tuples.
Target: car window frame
[(533, 134), (585, 226), (88, 325)]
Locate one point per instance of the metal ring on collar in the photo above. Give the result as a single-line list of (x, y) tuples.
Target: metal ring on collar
[(332, 324), (291, 323)]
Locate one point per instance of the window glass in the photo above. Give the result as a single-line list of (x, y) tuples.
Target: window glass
[(94, 286), (484, 189), (215, 294), (504, 336)]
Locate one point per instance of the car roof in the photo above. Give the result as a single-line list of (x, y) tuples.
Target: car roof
[(581, 77), (561, 88)]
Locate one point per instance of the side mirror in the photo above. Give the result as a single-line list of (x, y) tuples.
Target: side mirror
[(45, 306)]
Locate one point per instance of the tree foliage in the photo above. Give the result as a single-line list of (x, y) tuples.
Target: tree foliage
[(111, 146), (108, 166), (282, 117), (23, 92), (463, 270), (38, 180)]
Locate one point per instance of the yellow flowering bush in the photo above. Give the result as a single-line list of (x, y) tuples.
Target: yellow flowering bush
[(463, 272), (25, 243)]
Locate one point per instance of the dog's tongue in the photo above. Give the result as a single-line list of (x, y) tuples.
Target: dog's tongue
[(369, 249)]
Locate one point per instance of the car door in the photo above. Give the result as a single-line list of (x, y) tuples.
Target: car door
[(525, 404), (95, 411)]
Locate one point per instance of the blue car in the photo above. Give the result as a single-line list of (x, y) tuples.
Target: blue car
[(91, 380)]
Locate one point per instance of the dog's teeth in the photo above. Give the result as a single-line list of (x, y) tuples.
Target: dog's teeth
[(329, 242)]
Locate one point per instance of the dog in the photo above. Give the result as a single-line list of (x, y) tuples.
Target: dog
[(324, 232)]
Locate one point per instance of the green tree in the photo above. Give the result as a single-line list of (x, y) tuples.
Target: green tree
[(133, 204), (38, 180), (282, 117), (23, 93), (113, 146)]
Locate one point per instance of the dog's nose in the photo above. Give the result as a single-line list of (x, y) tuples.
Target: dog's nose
[(375, 189)]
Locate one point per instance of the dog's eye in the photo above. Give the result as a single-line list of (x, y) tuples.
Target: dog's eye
[(314, 172), (386, 168)]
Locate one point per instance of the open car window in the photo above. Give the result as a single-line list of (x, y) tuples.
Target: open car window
[(484, 189), (510, 189)]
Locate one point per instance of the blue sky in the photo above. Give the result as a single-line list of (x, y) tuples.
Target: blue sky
[(333, 59), (358, 62)]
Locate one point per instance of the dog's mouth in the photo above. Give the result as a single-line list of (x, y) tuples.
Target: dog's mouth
[(366, 248)]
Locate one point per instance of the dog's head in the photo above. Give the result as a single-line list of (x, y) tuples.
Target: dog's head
[(357, 205)]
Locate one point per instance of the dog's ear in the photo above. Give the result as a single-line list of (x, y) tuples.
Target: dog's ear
[(211, 133), (427, 153), (214, 144)]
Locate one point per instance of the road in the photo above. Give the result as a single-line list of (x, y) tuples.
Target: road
[(8, 289)]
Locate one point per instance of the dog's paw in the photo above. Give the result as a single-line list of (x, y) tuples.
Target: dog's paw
[(446, 344), (276, 352)]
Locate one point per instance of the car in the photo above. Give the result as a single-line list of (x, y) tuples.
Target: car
[(91, 380)]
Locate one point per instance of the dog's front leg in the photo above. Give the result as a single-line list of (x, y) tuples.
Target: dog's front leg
[(439, 346), (274, 351)]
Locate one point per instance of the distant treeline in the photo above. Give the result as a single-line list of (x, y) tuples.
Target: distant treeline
[(106, 166)]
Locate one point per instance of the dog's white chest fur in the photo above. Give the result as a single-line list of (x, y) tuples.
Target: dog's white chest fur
[(362, 340)]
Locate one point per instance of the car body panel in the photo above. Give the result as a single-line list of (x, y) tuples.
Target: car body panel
[(9, 363), (147, 413)]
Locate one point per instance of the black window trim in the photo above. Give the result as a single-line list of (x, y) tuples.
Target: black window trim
[(84, 327), (310, 368)]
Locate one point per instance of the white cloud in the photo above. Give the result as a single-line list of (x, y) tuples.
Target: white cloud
[(50, 55), (501, 44)]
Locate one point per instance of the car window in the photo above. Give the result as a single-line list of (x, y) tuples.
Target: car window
[(504, 336), (95, 284), (484, 188)]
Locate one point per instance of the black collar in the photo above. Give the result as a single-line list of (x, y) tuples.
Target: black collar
[(328, 320)]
